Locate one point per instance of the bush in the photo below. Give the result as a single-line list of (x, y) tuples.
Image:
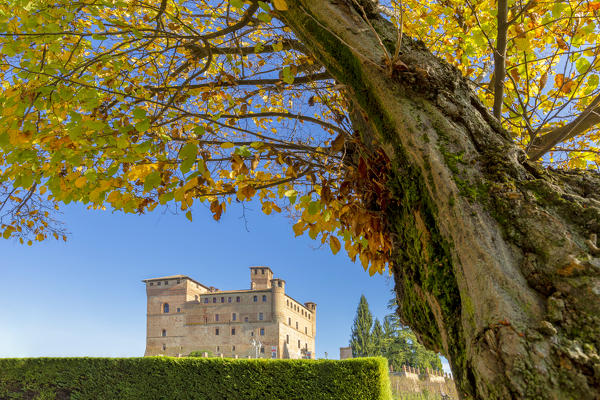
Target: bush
[(193, 378)]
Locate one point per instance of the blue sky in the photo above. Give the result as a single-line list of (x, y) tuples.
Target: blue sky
[(85, 298)]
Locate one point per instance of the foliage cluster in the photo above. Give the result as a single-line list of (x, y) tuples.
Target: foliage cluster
[(393, 340), (193, 378)]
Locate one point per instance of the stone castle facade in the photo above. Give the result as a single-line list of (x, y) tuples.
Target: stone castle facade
[(184, 315)]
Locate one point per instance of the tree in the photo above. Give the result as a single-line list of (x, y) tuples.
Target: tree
[(361, 341), (371, 139), (377, 339)]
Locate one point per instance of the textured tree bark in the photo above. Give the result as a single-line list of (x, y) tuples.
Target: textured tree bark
[(495, 261)]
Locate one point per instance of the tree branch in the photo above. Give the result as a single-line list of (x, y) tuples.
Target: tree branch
[(500, 57), (587, 119)]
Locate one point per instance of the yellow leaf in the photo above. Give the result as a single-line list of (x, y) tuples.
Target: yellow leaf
[(188, 215), (43, 189), (335, 245), (280, 5), (80, 182), (40, 237), (227, 145)]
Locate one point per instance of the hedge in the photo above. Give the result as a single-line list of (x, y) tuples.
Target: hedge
[(193, 378)]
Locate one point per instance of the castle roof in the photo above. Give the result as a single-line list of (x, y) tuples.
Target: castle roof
[(176, 277)]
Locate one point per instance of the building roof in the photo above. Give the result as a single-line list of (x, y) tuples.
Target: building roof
[(176, 277)]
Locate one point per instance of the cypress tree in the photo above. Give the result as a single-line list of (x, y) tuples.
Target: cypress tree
[(377, 339), (360, 340)]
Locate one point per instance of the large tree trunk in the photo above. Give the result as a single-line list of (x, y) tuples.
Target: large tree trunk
[(493, 262)]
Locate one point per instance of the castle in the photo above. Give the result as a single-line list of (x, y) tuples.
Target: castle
[(184, 315)]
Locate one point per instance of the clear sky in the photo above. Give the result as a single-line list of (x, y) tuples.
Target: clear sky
[(85, 297)]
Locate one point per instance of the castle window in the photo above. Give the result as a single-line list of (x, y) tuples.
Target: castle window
[(178, 309), (164, 346), (238, 299), (287, 339), (151, 283), (214, 299), (178, 281), (166, 308), (279, 283), (229, 299), (262, 271), (166, 282), (245, 319), (255, 299), (206, 300), (262, 350), (264, 298), (232, 348), (262, 331), (216, 317), (164, 333), (217, 334), (232, 331), (218, 349), (306, 330), (298, 343), (289, 321), (255, 271), (222, 299), (233, 317), (308, 316), (157, 283), (260, 316), (296, 324), (288, 303), (251, 333)]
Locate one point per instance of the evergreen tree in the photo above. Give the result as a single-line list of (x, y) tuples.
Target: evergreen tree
[(377, 340), (360, 340)]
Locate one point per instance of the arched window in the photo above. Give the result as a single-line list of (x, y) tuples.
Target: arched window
[(166, 308), (164, 333)]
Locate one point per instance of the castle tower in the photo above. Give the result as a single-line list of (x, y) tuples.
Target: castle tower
[(278, 309), (313, 309), (260, 277)]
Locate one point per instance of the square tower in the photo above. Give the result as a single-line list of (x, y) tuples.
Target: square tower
[(260, 277)]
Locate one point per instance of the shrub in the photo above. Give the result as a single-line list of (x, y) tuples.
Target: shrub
[(194, 378)]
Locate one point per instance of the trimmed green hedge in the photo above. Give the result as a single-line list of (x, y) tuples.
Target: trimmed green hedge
[(193, 378)]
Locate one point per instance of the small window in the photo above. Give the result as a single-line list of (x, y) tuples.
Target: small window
[(260, 316), (306, 330), (287, 339), (308, 316), (289, 321), (262, 271), (178, 281), (264, 298), (216, 317), (232, 331), (229, 299), (206, 300), (151, 283), (238, 299), (245, 319), (251, 333), (255, 299), (164, 345), (262, 331), (218, 349), (296, 324), (178, 309), (255, 271), (164, 333), (217, 333), (298, 343), (166, 308), (232, 348), (222, 299), (157, 283), (166, 283), (214, 299), (233, 316), (262, 350), (279, 283)]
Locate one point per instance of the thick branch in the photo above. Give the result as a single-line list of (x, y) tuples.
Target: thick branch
[(500, 57), (587, 119)]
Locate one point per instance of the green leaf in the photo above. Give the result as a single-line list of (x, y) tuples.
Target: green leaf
[(189, 151), (264, 17), (582, 65), (236, 3), (592, 84), (314, 207), (152, 180), (186, 165), (188, 215), (287, 75), (166, 197), (142, 126)]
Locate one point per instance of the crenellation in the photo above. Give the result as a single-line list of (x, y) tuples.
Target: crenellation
[(201, 318)]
